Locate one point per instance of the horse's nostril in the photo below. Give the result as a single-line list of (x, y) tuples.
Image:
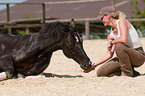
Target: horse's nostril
[(85, 65), (90, 63)]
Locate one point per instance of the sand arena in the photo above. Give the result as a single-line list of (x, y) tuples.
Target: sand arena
[(66, 78)]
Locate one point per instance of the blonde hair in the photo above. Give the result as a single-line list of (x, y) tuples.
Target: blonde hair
[(118, 15)]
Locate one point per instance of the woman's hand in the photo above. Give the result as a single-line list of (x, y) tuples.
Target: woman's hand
[(96, 64), (109, 47)]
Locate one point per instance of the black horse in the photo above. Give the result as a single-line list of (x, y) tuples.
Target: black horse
[(30, 54)]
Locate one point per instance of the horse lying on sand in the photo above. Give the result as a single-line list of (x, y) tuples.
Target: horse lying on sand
[(30, 54)]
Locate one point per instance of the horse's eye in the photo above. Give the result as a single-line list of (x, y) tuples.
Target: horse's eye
[(77, 40)]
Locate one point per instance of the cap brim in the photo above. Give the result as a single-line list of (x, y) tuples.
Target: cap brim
[(99, 17)]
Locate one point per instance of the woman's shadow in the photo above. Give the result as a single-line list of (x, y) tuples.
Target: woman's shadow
[(61, 76)]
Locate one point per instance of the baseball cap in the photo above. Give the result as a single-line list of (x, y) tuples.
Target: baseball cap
[(105, 10)]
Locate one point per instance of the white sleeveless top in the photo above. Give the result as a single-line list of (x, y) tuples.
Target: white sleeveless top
[(133, 39)]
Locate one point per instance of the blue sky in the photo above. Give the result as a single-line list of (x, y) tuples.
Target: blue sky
[(9, 1)]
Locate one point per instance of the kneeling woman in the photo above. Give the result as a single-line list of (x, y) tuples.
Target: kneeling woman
[(124, 40)]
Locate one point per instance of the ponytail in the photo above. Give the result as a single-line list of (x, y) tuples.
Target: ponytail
[(118, 15)]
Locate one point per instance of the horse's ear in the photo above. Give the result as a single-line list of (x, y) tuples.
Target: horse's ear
[(72, 23)]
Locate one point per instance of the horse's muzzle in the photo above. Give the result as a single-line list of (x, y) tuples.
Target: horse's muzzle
[(85, 67), (89, 68)]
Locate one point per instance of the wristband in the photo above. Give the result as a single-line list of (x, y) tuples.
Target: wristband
[(111, 42)]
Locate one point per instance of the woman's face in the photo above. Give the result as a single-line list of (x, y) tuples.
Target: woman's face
[(105, 20)]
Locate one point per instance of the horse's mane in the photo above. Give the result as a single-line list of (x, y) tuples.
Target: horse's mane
[(54, 27)]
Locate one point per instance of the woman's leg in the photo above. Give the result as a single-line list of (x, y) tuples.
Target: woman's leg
[(110, 68), (128, 58)]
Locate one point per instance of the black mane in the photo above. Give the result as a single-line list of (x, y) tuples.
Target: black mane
[(54, 27)]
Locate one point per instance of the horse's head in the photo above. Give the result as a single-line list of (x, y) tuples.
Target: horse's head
[(72, 47)]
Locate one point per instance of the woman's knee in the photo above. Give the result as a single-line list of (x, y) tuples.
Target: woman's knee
[(108, 68), (100, 73), (119, 46)]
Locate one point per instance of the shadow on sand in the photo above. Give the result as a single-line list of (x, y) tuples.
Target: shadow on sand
[(61, 76), (142, 74), (137, 75)]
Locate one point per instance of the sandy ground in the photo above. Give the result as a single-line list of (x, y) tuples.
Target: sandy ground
[(65, 78)]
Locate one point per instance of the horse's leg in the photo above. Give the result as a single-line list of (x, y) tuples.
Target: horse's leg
[(6, 65), (110, 69), (40, 65)]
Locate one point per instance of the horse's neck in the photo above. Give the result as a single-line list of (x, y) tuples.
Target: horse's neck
[(50, 42)]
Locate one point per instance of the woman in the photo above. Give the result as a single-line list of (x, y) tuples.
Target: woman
[(124, 40)]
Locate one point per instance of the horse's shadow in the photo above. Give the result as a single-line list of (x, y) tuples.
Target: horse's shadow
[(139, 75), (142, 74), (61, 76)]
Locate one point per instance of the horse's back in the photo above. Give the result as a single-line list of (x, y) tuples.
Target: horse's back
[(10, 43)]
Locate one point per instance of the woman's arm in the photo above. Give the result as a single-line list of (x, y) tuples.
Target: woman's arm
[(110, 49), (123, 32), (106, 57)]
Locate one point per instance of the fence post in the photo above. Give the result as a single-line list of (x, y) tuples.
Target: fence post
[(87, 29), (43, 9), (10, 31), (8, 13), (113, 4), (27, 30)]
